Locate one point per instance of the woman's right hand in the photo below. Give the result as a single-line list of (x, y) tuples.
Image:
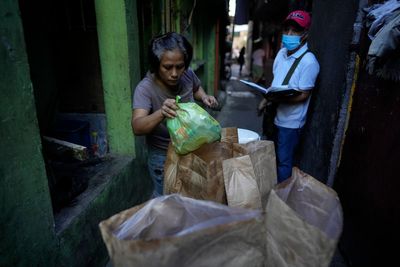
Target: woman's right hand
[(168, 109)]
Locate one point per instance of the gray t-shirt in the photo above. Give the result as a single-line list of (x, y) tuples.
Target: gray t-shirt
[(149, 96)]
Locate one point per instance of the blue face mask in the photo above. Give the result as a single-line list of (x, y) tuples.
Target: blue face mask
[(291, 42)]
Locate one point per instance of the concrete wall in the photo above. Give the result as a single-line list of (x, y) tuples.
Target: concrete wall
[(330, 38), (26, 222), (27, 235), (122, 184)]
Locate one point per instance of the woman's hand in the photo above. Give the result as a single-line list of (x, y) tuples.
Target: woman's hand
[(168, 109), (209, 101)]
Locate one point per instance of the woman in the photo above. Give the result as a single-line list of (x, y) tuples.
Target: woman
[(154, 98), (258, 62)]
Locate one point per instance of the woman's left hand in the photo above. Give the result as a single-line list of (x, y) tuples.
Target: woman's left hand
[(209, 101)]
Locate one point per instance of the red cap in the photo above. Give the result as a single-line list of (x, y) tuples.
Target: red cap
[(300, 17)]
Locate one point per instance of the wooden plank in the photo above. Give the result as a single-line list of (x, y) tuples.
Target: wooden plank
[(64, 148)]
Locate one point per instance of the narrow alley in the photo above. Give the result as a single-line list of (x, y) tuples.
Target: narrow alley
[(239, 104), (84, 137)]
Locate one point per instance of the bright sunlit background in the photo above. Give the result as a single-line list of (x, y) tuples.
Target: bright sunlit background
[(240, 32), (232, 7)]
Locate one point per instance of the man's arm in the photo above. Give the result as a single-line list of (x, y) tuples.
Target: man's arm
[(291, 99)]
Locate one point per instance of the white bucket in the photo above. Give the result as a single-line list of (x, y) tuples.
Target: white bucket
[(246, 136)]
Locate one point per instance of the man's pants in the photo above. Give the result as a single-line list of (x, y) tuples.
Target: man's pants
[(155, 163), (286, 141)]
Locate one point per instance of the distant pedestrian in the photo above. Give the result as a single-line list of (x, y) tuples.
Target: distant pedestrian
[(258, 62), (294, 67), (241, 59)]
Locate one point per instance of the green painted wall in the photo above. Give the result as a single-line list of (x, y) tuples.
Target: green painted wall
[(27, 235), (150, 17), (133, 42), (116, 73), (26, 221), (203, 32), (210, 55)]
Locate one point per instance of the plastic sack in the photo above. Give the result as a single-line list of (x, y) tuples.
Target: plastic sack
[(192, 127), (174, 231), (175, 215), (299, 227)]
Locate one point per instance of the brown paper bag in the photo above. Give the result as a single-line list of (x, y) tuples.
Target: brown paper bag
[(241, 185), (229, 135), (262, 157), (239, 241), (199, 174), (303, 222)]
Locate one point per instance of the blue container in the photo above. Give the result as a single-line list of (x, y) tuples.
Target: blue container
[(74, 131)]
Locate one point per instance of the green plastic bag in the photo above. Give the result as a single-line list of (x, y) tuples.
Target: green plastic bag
[(192, 127)]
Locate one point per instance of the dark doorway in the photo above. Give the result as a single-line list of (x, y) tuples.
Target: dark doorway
[(63, 55)]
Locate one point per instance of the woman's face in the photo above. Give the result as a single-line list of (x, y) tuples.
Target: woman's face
[(172, 66)]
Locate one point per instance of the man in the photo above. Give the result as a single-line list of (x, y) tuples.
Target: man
[(292, 110)]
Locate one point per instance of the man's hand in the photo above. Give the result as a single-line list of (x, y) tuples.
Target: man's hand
[(261, 106), (289, 99)]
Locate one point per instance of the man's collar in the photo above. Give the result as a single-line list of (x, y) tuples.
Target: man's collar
[(299, 52)]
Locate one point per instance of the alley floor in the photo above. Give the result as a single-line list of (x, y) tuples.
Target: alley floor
[(240, 107)]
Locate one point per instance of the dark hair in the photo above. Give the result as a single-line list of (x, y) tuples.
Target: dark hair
[(168, 42)]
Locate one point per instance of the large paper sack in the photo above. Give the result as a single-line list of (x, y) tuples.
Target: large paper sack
[(250, 175), (197, 174), (177, 231), (303, 221), (206, 172)]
